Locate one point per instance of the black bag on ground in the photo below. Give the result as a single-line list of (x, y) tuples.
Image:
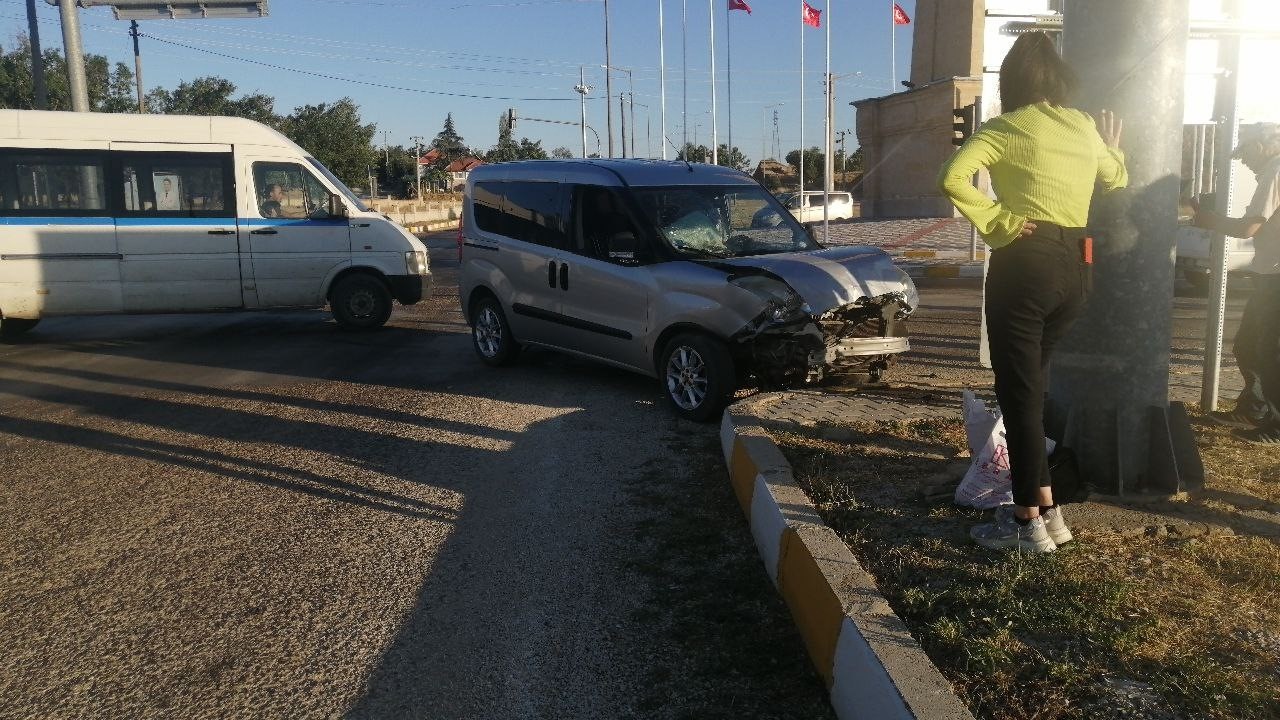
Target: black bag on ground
[(1064, 476)]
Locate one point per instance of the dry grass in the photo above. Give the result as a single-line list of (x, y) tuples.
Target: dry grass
[(1108, 627)]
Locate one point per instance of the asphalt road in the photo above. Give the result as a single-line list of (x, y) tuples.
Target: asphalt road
[(259, 515)]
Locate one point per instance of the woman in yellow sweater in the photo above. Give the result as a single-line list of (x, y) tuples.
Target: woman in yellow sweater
[(1044, 159)]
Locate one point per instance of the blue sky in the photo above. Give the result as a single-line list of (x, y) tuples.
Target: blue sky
[(519, 49)]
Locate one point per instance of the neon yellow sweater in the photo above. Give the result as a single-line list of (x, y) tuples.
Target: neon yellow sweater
[(1043, 160)]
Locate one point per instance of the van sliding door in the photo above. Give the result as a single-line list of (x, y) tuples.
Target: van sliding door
[(176, 228)]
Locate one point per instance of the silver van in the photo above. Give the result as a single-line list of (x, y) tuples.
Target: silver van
[(693, 274)]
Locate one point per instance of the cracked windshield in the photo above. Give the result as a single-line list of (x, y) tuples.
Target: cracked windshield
[(722, 221)]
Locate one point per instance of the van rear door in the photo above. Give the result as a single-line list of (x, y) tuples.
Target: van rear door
[(294, 243), (176, 227)]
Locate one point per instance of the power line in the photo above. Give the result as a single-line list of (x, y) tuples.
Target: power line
[(370, 83)]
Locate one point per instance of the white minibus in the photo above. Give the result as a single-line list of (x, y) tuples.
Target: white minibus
[(113, 213)]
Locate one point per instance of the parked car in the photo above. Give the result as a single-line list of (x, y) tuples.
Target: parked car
[(663, 268), (113, 213), (840, 207)]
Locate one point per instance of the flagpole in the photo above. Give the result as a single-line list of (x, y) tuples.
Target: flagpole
[(802, 19), (893, 51), (662, 75), (715, 159), (728, 73), (684, 70), (826, 139)]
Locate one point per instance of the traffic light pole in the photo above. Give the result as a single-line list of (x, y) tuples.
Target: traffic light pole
[(1109, 390)]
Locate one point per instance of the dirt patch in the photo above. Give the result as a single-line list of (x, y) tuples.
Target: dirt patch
[(1136, 625), (733, 650)]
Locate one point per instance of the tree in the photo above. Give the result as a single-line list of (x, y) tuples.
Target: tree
[(110, 90), (531, 150), (507, 149), (694, 153), (333, 133), (212, 96), (449, 142), (562, 153), (813, 167), (731, 157)]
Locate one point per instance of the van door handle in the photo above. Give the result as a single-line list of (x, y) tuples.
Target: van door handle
[(264, 231), (362, 224), (564, 276), (222, 232), (551, 273)]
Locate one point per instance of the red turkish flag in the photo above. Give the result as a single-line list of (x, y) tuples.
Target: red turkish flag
[(810, 15), (900, 16), (739, 5)]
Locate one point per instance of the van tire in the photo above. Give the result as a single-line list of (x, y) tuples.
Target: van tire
[(13, 327), (697, 376), (491, 333), (360, 302)]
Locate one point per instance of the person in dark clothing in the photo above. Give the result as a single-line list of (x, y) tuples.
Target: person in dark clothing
[(1257, 410)]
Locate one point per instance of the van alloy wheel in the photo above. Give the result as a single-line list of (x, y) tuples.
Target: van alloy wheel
[(687, 378), (491, 336), (488, 333)]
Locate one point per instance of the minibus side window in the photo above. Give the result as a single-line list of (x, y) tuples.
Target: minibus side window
[(288, 190), (174, 184), (603, 228), (56, 183)]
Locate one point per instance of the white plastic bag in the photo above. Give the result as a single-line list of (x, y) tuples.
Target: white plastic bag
[(987, 483)]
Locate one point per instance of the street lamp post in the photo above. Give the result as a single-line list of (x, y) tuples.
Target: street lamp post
[(582, 88)]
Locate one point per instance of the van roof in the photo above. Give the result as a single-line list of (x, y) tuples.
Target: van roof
[(602, 171), (132, 127)]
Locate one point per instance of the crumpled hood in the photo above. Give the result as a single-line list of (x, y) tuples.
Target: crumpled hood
[(834, 277)]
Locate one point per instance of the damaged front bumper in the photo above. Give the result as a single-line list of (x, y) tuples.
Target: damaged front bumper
[(857, 340)]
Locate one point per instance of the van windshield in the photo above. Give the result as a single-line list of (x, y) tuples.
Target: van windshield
[(342, 187), (722, 221)]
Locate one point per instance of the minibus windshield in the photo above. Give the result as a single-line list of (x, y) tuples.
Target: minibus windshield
[(722, 221), (342, 187)]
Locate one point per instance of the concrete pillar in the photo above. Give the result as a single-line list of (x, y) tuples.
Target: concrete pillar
[(1112, 370)]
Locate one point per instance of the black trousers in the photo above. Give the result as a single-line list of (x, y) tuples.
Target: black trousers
[(1036, 287), (1255, 351)]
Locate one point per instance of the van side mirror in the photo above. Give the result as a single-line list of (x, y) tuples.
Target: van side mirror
[(337, 208)]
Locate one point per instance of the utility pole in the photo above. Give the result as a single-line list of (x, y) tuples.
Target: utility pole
[(137, 66), (662, 79), (37, 58), (386, 151), (608, 80), (1109, 390), (715, 143), (417, 165), (684, 76), (70, 16), (622, 117), (582, 88)]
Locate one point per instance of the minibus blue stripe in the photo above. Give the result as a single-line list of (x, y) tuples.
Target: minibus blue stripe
[(30, 220), (175, 221), (275, 222)]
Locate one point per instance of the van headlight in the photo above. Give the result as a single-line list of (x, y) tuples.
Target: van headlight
[(415, 262), (782, 303)]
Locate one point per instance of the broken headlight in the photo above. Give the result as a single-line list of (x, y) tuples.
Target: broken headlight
[(782, 303)]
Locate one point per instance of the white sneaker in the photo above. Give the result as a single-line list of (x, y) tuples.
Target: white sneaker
[(1056, 526), (1005, 532)]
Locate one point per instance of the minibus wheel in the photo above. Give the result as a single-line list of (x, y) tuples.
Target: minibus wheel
[(13, 327), (697, 376), (491, 335), (360, 302)]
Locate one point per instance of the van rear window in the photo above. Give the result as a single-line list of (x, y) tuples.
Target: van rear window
[(526, 211)]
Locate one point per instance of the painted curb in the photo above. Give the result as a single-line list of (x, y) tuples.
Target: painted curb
[(872, 666)]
